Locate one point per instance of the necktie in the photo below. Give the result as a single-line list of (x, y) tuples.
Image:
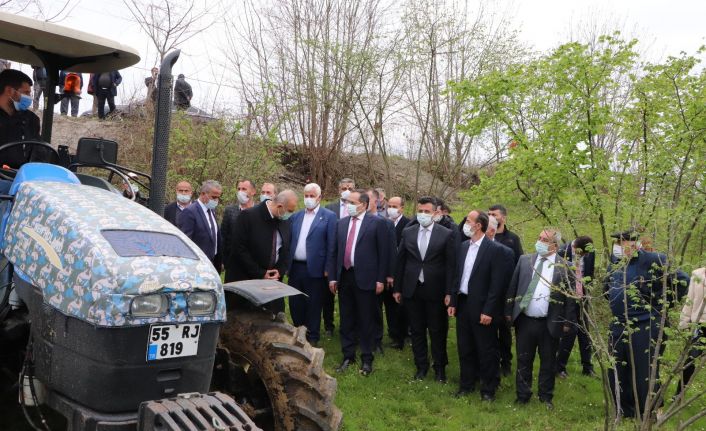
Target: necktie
[(579, 279), (533, 285), (349, 245), (273, 255), (212, 225), (423, 244)]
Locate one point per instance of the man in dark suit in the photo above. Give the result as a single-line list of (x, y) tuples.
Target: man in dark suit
[(540, 305), (476, 300), (582, 260), (198, 221), (345, 187), (183, 198), (358, 274), (395, 212), (261, 241), (313, 243), (512, 241), (391, 306), (246, 193), (424, 274)]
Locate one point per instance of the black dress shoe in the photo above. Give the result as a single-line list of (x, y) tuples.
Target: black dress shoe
[(440, 375), (562, 374), (366, 369), (487, 397), (463, 392), (548, 404), (344, 365), (521, 401), (589, 372), (420, 375)]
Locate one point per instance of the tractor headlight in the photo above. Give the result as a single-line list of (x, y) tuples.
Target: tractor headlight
[(201, 303), (149, 306)]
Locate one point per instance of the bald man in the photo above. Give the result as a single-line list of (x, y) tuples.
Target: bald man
[(172, 210)]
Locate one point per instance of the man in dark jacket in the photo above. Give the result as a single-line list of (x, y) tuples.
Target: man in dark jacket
[(39, 75), (17, 122), (182, 93), (183, 198), (261, 242), (105, 87)]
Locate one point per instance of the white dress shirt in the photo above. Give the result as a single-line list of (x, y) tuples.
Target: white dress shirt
[(309, 216), (539, 305), (428, 230), (468, 264), (357, 232), (211, 222)]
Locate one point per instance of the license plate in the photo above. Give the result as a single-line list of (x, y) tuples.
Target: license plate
[(173, 341)]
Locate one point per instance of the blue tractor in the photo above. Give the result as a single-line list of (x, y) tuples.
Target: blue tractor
[(111, 316)]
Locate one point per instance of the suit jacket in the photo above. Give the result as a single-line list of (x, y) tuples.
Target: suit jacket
[(562, 308), (194, 224), (251, 253), (400, 227), (172, 213), (371, 252), (335, 207), (230, 215), (320, 241), (438, 264), (391, 245), (486, 284)]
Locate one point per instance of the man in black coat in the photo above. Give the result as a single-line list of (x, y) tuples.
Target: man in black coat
[(198, 222), (540, 305), (395, 212), (476, 300), (246, 194), (182, 93), (424, 274), (261, 242), (105, 86), (173, 210), (582, 259), (398, 325), (17, 122), (358, 274)]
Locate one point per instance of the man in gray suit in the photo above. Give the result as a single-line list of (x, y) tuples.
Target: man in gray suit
[(541, 306), (345, 187)]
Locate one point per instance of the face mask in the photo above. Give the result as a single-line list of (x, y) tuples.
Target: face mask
[(541, 247), (310, 203), (264, 198), (424, 219), (467, 230), (212, 204), (345, 194), (352, 210), (437, 218), (24, 103), (183, 199), (243, 197), (393, 213), (286, 215), (618, 251)]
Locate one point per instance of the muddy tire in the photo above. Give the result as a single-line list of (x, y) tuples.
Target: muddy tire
[(274, 374)]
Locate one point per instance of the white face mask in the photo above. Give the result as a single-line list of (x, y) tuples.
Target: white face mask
[(437, 218), (393, 213), (618, 251), (353, 210), (424, 219), (467, 230), (243, 197), (345, 194), (264, 198), (310, 203), (183, 199)]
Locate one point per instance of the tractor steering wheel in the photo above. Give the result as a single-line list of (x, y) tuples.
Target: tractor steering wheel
[(16, 154)]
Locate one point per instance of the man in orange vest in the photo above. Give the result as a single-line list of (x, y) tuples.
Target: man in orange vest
[(70, 85)]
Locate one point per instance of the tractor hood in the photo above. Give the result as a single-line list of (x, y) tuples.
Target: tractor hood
[(91, 252)]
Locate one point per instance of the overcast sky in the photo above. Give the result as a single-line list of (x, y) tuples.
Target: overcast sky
[(664, 28)]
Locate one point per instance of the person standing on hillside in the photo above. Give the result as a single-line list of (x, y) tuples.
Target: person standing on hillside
[(70, 85), (182, 93), (151, 84), (39, 74), (105, 86)]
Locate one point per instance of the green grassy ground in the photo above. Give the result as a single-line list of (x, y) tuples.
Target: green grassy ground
[(390, 399)]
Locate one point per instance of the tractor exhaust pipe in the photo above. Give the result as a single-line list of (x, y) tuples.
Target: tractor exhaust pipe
[(160, 145)]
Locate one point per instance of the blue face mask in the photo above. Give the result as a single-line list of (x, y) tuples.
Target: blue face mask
[(541, 247), (264, 198), (24, 103), (212, 204), (286, 215)]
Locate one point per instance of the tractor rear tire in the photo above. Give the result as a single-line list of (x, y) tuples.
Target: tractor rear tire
[(264, 353)]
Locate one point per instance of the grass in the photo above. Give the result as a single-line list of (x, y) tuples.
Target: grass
[(389, 399)]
